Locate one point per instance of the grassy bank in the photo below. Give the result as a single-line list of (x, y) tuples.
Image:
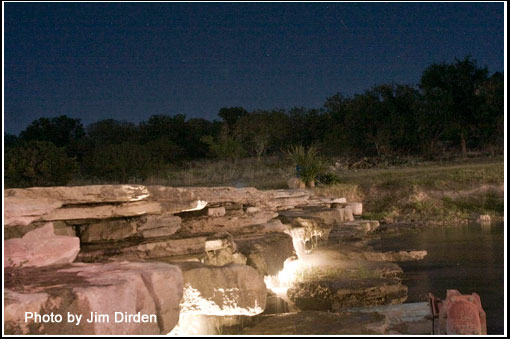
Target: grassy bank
[(446, 192), (429, 193)]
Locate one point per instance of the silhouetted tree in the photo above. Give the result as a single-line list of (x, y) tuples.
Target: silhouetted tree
[(230, 115), (110, 131), (451, 90), (61, 131)]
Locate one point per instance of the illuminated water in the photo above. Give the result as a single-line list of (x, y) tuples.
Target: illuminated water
[(468, 258)]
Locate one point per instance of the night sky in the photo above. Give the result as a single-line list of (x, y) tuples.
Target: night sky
[(128, 61)]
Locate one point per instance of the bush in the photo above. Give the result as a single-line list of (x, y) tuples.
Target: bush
[(309, 164), (38, 163), (125, 162), (225, 147)]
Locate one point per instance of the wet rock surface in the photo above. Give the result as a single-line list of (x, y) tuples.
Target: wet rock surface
[(266, 253)]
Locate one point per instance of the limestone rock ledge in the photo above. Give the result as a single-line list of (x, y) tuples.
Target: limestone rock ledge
[(126, 287)]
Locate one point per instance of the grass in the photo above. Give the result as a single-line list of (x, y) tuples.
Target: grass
[(437, 193), (269, 173)]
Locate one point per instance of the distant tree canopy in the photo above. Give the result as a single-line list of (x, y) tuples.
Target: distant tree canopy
[(455, 107), (61, 130), (37, 163)]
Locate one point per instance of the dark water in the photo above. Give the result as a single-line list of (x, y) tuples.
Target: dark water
[(468, 258)]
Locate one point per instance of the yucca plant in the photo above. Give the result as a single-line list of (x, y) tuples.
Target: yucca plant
[(309, 163)]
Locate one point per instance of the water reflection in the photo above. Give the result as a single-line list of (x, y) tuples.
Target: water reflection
[(468, 258)]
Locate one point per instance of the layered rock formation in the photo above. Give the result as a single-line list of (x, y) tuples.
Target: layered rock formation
[(175, 253)]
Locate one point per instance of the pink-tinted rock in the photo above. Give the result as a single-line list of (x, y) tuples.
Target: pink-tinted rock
[(104, 211), (21, 211), (82, 194), (154, 289), (41, 247)]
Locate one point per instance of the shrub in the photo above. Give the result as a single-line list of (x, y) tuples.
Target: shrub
[(225, 147), (309, 164), (38, 163)]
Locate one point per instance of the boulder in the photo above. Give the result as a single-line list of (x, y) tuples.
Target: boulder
[(266, 253), (357, 208), (153, 289), (295, 183), (222, 290), (40, 247), (221, 250)]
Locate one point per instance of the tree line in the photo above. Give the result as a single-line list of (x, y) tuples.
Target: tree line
[(455, 107)]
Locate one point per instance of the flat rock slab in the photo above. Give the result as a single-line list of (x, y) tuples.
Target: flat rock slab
[(146, 249), (337, 294), (353, 230), (147, 226), (125, 287), (266, 253), (227, 223), (328, 216), (411, 318), (346, 251), (82, 194), (211, 195), (40, 247), (104, 211), (222, 290), (319, 323)]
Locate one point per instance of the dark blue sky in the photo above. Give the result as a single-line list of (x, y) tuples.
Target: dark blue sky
[(128, 61)]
